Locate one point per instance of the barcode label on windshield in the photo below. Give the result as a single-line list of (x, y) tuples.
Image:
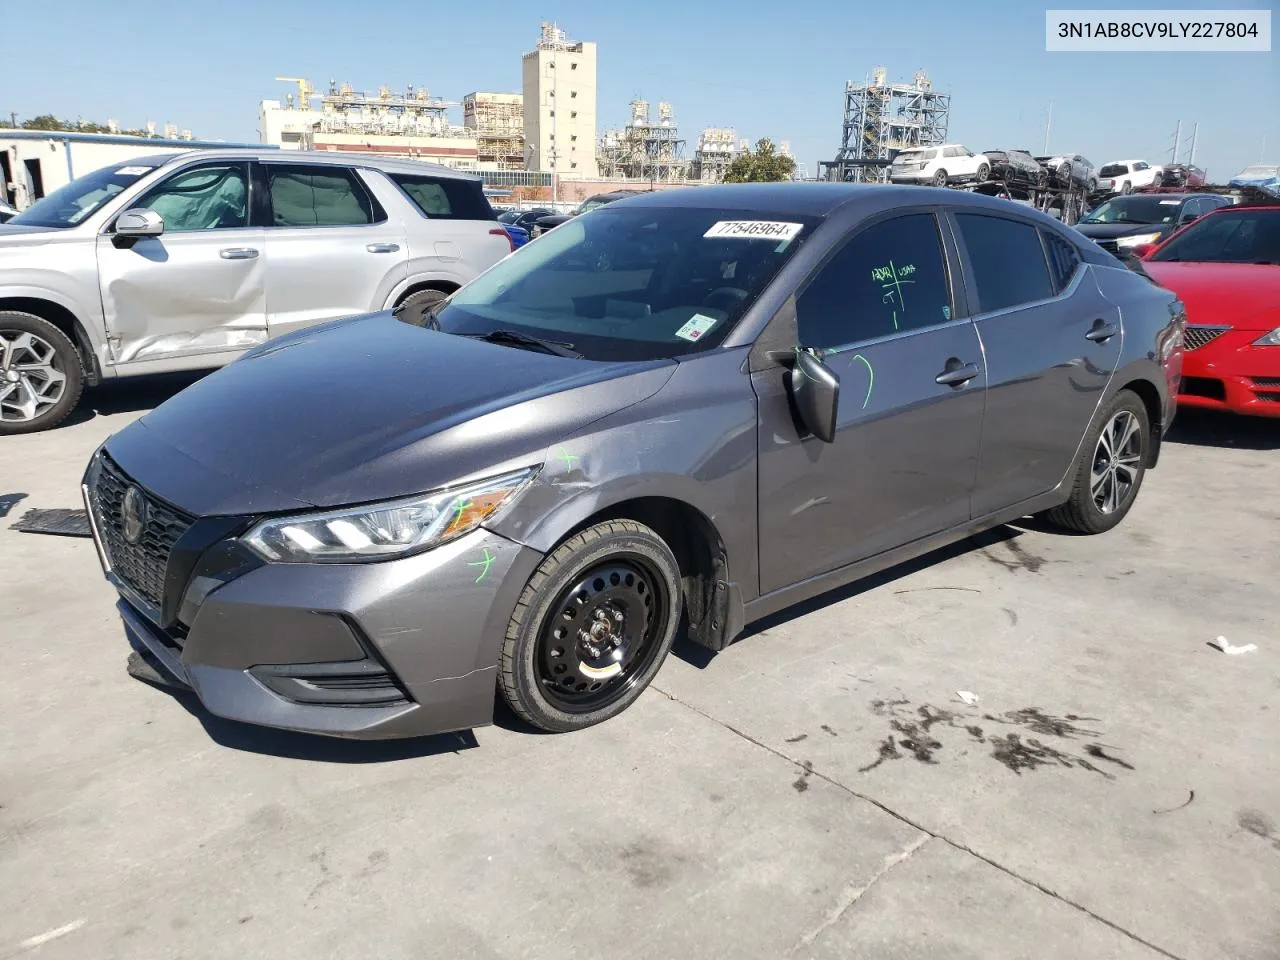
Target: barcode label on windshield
[(754, 230)]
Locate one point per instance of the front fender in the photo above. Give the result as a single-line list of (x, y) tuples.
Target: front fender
[(82, 302)]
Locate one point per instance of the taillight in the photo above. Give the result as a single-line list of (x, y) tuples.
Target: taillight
[(499, 232)]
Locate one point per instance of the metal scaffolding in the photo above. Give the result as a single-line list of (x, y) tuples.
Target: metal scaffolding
[(414, 114), (644, 149), (881, 118), (717, 146), (497, 121)]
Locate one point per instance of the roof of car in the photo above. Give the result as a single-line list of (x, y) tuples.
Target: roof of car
[(353, 158), (810, 199)]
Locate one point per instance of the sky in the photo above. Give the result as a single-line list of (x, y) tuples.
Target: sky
[(771, 69)]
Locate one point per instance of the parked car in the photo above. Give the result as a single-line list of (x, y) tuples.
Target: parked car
[(1017, 169), (1125, 176), (949, 163), (525, 219), (690, 402), (1264, 177), (552, 220), (1181, 176), (184, 261), (1139, 221), (7, 210), (1071, 170), (1226, 268)]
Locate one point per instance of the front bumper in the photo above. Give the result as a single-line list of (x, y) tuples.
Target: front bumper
[(1227, 372), (399, 648)]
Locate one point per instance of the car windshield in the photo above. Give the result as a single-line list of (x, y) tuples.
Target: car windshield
[(81, 198), (632, 282), (1237, 236), (1113, 170), (1135, 210)]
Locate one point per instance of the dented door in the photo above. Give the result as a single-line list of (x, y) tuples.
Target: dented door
[(200, 287)]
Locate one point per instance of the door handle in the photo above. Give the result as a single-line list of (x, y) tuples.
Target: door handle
[(383, 247), (1102, 331), (238, 253), (957, 374)]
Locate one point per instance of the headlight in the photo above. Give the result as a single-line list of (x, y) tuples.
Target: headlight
[(382, 531), (1271, 339), (1137, 239)]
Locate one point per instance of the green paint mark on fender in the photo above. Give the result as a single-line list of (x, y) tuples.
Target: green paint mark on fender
[(485, 563), (871, 382)]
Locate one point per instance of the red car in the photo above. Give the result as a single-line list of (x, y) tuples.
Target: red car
[(1225, 268)]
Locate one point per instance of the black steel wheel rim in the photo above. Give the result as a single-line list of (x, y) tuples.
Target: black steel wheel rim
[(601, 634)]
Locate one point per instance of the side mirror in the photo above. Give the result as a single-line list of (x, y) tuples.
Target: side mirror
[(816, 391), (139, 223)]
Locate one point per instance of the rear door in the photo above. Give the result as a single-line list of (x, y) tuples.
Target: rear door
[(1052, 343), (200, 287), (332, 249), (882, 313)]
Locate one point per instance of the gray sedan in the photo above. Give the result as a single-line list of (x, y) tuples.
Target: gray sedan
[(694, 406)]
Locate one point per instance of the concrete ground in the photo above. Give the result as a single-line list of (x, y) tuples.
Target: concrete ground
[(817, 791)]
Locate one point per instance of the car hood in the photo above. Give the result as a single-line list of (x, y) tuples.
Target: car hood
[(1243, 295), (18, 235), (1109, 231), (366, 409)]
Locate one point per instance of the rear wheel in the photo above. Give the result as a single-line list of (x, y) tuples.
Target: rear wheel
[(40, 374), (1110, 469), (1126, 187), (592, 627), (940, 178)]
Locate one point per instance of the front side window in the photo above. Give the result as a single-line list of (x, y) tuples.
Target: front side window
[(81, 198), (1245, 236), (1142, 166), (1008, 262), (632, 282), (319, 196), (890, 277), (445, 198), (211, 197)]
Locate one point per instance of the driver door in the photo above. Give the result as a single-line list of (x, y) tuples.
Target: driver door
[(199, 288), (882, 314)]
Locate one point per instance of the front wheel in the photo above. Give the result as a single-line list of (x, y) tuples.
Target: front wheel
[(40, 374), (984, 171), (1110, 469), (591, 628)]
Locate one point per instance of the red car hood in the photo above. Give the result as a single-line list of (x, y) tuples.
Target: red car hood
[(1242, 295)]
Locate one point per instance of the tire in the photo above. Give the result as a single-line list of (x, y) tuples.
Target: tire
[(1126, 187), (940, 178), (414, 307), (984, 171), (542, 665), (1093, 186), (1090, 508), (33, 355)]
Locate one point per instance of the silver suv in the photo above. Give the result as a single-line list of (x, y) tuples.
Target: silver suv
[(183, 262)]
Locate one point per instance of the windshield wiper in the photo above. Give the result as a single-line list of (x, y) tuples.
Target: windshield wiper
[(515, 339)]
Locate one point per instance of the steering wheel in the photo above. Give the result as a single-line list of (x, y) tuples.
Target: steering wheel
[(733, 296)]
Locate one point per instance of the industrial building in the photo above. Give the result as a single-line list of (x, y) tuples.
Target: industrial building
[(559, 80), (881, 118), (496, 120), (644, 149), (717, 146), (34, 163)]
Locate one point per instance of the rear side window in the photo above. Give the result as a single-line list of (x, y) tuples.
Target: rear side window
[(445, 198), (320, 196), (1064, 258), (1009, 266)]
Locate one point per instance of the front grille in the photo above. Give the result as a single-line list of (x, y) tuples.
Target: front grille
[(1205, 387), (1266, 382), (142, 565), (1110, 246), (1197, 337)]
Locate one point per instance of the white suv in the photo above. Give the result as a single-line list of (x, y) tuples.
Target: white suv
[(949, 163), (184, 261), (1125, 176)]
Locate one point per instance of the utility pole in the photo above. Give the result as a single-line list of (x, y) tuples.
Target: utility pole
[(1047, 127), (555, 147), (13, 120)]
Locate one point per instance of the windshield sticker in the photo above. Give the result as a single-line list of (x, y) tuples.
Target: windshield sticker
[(133, 171), (696, 327), (754, 230), (1169, 203)]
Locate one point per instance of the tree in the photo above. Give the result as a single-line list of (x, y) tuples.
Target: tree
[(762, 165)]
